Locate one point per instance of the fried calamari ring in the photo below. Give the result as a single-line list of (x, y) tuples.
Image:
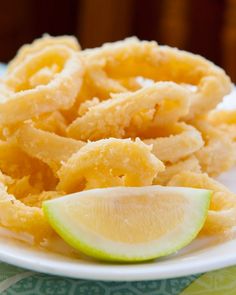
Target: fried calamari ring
[(224, 120), (5, 179), (43, 76), (130, 111), (219, 152), (183, 141), (85, 106), (107, 163), (191, 163), (23, 219), (96, 84), (59, 93), (102, 84), (200, 180), (48, 147), (222, 214), (36, 200), (130, 83), (20, 188), (16, 163), (132, 58), (53, 122), (5, 92), (219, 117), (39, 44)]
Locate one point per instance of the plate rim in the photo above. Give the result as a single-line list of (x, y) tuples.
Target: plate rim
[(120, 272)]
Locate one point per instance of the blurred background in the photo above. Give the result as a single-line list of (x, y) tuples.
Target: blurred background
[(207, 27)]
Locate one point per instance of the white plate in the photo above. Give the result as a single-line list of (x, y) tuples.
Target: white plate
[(200, 256)]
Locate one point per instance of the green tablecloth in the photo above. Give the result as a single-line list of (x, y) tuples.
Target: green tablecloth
[(17, 281)]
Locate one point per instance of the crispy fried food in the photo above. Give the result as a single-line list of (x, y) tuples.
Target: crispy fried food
[(228, 129), (96, 84), (53, 122), (182, 140), (224, 120), (102, 85), (36, 200), (85, 106), (139, 105), (191, 164), (130, 83), (157, 103), (132, 58), (39, 44), (23, 219), (16, 163), (109, 162), (218, 117), (219, 152), (20, 188), (222, 213), (5, 92), (5, 179), (60, 93), (48, 147)]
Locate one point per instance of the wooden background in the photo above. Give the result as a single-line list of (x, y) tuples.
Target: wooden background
[(207, 27)]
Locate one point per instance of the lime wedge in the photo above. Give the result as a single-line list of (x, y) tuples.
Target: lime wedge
[(129, 223)]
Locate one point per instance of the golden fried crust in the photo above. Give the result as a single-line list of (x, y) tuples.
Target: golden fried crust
[(15, 163), (224, 120), (218, 117), (222, 214), (132, 111), (183, 141), (36, 200), (109, 162), (132, 58), (28, 101), (219, 151), (23, 219), (53, 122), (48, 147), (189, 164), (39, 44)]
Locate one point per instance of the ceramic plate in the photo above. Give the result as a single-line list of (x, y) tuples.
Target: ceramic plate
[(199, 256)]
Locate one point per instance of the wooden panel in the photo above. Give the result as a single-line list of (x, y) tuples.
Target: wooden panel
[(22, 21), (102, 21), (55, 17), (14, 30), (205, 20), (229, 39), (207, 27), (173, 23), (146, 21)]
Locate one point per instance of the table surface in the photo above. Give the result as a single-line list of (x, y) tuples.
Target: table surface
[(17, 281)]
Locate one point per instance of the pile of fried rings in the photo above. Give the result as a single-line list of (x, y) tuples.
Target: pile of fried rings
[(129, 113)]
